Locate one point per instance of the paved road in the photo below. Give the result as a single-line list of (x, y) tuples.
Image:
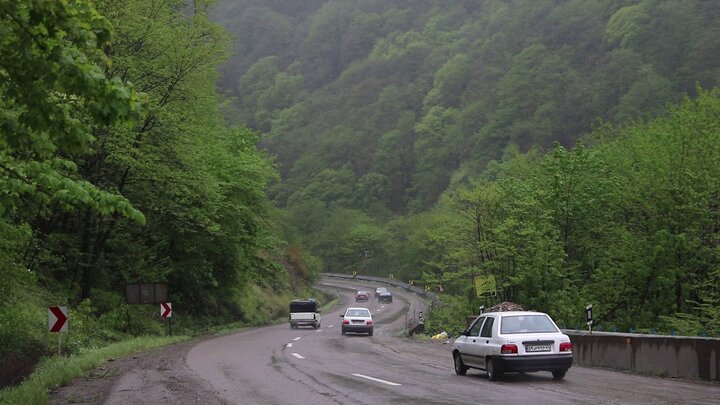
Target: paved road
[(279, 365)]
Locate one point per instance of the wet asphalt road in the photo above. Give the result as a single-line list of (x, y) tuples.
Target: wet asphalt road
[(280, 365)]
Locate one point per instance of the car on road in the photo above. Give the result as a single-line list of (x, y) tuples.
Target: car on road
[(385, 296), (358, 320), (379, 290), (304, 313), (362, 296), (513, 341)]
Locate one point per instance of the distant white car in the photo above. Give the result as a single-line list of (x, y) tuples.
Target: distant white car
[(357, 320), (517, 341)]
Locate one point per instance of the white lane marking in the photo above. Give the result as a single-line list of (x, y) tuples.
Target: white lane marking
[(319, 330), (375, 379), (298, 356), (288, 345), (297, 338), (330, 326)]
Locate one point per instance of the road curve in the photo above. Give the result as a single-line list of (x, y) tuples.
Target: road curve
[(280, 365)]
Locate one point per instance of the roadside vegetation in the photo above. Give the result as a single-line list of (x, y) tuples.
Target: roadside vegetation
[(546, 143), (116, 167)]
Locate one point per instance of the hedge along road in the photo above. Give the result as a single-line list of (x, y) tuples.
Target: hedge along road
[(279, 365)]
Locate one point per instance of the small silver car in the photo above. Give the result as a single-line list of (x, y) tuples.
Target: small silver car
[(514, 341)]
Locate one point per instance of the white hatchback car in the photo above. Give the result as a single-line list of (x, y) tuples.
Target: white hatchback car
[(516, 341)]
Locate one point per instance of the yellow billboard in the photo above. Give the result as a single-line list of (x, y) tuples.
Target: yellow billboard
[(485, 285)]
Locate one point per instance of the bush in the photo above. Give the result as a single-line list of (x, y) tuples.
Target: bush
[(22, 344), (450, 317)]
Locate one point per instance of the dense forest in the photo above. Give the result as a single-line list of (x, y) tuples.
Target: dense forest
[(569, 148), (117, 167)]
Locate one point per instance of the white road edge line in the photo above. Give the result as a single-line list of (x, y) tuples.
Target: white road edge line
[(288, 345), (298, 356), (297, 338), (376, 379)]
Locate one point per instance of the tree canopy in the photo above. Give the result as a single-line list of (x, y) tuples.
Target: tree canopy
[(491, 137)]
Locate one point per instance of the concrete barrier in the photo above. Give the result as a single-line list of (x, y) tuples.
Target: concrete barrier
[(667, 356)]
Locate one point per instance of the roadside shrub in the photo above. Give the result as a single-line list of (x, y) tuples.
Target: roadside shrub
[(449, 317), (22, 343)]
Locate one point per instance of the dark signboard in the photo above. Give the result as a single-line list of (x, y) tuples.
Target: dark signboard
[(146, 293)]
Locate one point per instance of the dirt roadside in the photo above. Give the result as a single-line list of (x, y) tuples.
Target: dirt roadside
[(157, 376)]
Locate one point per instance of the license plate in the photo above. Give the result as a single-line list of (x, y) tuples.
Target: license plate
[(537, 348)]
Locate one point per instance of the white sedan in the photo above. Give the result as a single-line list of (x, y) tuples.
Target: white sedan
[(517, 341), (358, 320)]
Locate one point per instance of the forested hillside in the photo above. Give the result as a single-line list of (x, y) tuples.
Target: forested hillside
[(383, 104), (116, 167), (531, 140)]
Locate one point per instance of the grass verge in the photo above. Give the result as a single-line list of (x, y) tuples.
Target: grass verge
[(58, 371)]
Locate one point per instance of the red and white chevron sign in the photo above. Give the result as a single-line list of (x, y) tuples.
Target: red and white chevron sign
[(166, 310), (57, 319)]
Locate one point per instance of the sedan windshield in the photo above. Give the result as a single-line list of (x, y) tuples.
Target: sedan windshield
[(358, 312), (527, 324)]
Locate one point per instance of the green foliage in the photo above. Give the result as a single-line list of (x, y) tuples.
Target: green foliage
[(447, 317), (105, 184), (384, 107), (53, 91), (628, 225)]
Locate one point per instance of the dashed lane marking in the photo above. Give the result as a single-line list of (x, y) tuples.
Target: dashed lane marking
[(375, 379), (288, 345), (298, 356), (297, 338)]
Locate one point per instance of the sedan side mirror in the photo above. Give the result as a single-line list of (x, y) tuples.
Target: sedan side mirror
[(464, 333)]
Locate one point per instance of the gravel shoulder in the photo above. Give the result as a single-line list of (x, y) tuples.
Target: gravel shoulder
[(155, 376)]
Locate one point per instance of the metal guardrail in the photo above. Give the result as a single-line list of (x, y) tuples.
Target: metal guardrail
[(417, 290)]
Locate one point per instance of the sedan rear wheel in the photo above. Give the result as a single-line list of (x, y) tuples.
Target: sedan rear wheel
[(559, 374), (460, 367), (492, 372)]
